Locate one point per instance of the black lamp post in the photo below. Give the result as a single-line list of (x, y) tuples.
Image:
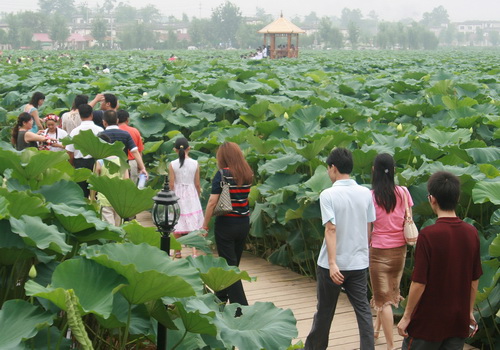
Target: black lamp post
[(165, 215)]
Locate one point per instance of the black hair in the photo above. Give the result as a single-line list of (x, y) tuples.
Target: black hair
[(181, 144), (342, 159), (35, 99), (79, 100), (122, 116), (24, 117), (383, 182), (445, 187), (85, 110), (110, 117), (111, 99)]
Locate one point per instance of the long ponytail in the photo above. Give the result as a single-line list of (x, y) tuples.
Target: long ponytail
[(181, 144), (21, 119), (383, 182)]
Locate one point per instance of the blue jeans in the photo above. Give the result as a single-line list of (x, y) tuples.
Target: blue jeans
[(355, 285)]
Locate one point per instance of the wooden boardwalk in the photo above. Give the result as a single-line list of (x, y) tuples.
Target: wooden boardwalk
[(289, 290)]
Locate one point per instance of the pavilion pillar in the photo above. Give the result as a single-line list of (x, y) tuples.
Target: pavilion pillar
[(273, 46), (289, 45)]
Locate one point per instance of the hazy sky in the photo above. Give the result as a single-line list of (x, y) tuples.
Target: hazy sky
[(392, 10)]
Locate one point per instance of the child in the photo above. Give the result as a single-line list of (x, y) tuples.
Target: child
[(108, 213), (185, 182)]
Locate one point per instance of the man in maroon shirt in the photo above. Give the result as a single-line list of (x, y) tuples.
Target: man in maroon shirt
[(445, 276)]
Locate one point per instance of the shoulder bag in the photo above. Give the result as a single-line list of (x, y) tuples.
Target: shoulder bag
[(409, 228), (224, 205)]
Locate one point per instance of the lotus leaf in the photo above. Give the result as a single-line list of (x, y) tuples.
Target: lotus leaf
[(150, 272), (123, 195), (20, 320), (36, 233), (216, 273)]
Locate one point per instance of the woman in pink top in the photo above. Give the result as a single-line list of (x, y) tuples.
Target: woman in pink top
[(387, 244)]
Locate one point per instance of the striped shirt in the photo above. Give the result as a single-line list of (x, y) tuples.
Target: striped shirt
[(239, 194)]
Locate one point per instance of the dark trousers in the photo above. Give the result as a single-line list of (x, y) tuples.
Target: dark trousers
[(355, 285), (230, 237), (88, 164), (411, 343)]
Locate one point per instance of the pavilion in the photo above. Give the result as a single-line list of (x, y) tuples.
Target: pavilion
[(279, 29)]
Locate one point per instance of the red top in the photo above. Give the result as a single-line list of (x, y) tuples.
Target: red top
[(447, 260), (136, 136)]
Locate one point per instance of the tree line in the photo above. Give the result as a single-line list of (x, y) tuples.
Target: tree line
[(146, 27)]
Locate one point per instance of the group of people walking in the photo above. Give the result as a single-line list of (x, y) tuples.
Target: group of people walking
[(363, 230)]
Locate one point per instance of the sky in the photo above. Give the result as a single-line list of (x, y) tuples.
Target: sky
[(390, 10)]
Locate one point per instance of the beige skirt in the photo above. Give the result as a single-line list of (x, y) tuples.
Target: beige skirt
[(386, 270)]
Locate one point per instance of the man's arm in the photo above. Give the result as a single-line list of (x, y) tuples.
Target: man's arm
[(331, 248), (140, 163), (473, 291), (416, 291)]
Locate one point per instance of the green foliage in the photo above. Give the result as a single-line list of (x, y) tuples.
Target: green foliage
[(286, 116)]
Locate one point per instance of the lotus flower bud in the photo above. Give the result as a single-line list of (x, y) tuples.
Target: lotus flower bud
[(285, 115), (32, 272), (144, 93), (399, 127), (471, 130), (414, 161)]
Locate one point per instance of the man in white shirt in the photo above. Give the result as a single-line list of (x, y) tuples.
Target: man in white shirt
[(346, 210), (76, 158)]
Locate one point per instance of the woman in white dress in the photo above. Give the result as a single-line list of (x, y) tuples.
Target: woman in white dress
[(51, 121), (184, 175)]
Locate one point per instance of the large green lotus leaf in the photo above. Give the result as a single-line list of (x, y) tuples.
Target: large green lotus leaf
[(216, 273), (12, 247), (363, 161), (312, 149), (262, 146), (170, 90), (20, 320), (36, 233), (85, 225), (194, 321), (105, 83), (262, 326), (22, 203), (159, 312), (486, 192), (10, 159), (319, 181), (152, 147), (67, 192), (93, 284), (137, 234), (149, 125), (4, 212), (89, 144), (212, 102), (488, 280), (123, 194), (41, 161), (495, 218), (299, 129), (196, 240), (46, 339), (182, 118), (446, 138), (245, 88), (484, 155), (282, 164), (495, 245), (150, 272)]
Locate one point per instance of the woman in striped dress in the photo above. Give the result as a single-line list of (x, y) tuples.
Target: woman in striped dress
[(231, 230)]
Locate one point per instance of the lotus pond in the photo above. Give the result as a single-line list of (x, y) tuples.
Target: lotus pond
[(431, 111)]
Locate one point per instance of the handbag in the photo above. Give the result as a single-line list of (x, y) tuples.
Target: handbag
[(224, 205), (409, 228)]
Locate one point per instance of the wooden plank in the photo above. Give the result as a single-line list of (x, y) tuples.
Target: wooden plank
[(287, 289)]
